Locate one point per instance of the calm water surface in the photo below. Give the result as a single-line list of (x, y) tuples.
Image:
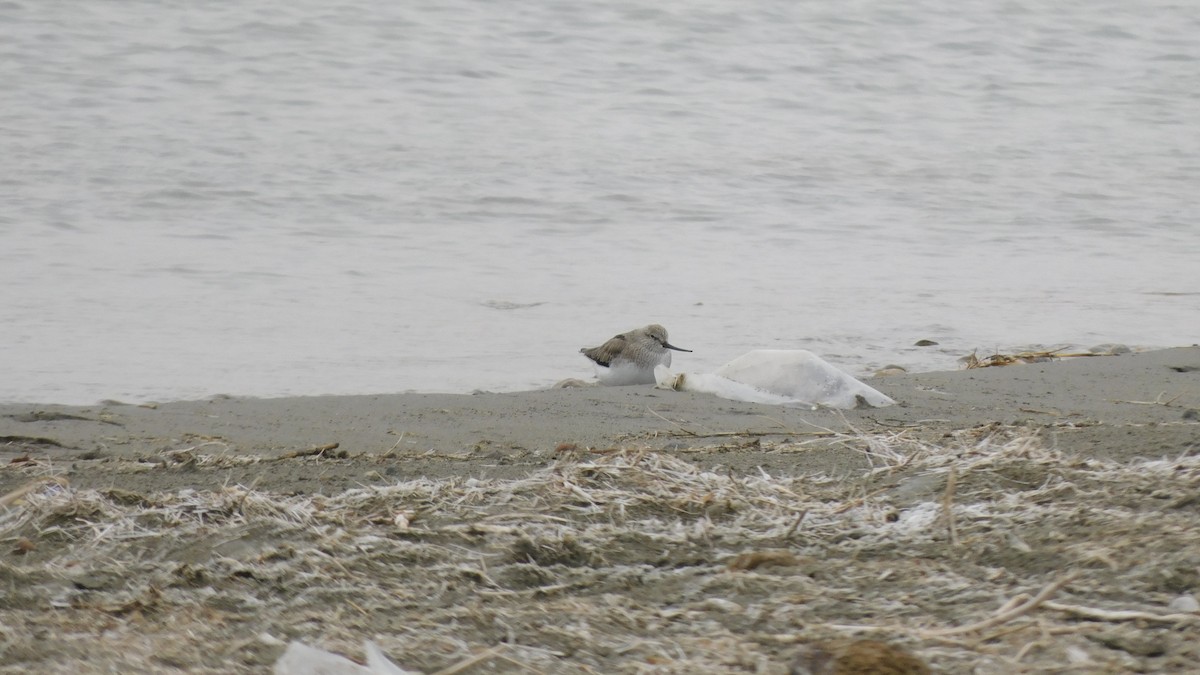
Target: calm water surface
[(301, 197)]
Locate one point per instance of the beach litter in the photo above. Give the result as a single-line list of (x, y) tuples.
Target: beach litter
[(300, 659), (794, 377)]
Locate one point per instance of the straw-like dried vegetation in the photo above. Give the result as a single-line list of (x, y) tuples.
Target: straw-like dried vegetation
[(972, 360), (992, 555)]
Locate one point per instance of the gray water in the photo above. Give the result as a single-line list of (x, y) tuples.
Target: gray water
[(302, 197)]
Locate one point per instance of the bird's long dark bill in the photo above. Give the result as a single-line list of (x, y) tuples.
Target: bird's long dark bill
[(678, 349)]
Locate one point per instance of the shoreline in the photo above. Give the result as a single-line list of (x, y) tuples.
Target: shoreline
[(468, 376), (1101, 404)]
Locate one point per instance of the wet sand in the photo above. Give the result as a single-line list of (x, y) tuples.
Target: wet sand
[(1125, 406)]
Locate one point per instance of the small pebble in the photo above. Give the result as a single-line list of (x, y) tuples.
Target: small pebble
[(721, 605), (1185, 603), (1076, 656)]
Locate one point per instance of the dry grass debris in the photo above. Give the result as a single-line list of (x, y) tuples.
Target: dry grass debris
[(972, 360), (998, 555)]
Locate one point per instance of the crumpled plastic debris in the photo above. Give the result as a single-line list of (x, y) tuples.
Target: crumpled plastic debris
[(300, 659), (780, 377)]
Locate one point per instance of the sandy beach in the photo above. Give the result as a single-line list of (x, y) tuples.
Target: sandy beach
[(596, 529)]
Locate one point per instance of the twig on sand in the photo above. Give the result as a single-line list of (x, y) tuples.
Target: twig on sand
[(1029, 646), (972, 360), (494, 652), (1158, 400), (319, 450), (780, 423), (1010, 614), (1119, 615), (948, 506), (537, 590), (786, 431), (398, 442), (682, 428), (792, 530), (724, 434), (1038, 411)]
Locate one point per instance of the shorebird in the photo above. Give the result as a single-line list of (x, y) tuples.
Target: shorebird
[(630, 358)]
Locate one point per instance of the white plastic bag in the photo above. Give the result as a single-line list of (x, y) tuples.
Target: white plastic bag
[(300, 659), (780, 377)]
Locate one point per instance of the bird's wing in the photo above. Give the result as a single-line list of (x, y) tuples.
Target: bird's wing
[(604, 354)]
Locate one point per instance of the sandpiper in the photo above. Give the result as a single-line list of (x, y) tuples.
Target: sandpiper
[(630, 358)]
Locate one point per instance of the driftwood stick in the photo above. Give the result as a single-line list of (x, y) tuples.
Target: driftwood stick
[(1011, 614), (948, 506), (318, 450), (1119, 615)]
